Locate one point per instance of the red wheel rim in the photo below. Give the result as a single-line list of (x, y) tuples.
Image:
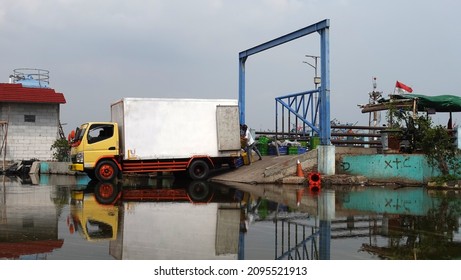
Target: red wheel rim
[(106, 171), (106, 190)]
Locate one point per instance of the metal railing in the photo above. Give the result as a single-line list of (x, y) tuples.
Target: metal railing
[(341, 135), (37, 77), (295, 240)]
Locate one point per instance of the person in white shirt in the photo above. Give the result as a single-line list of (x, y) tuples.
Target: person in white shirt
[(251, 144)]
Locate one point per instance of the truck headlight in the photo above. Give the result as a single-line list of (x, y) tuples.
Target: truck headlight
[(79, 157)]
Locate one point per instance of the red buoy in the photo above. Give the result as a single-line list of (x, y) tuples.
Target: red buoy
[(314, 181)]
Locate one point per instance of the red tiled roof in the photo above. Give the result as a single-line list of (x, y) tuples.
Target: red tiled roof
[(19, 94)]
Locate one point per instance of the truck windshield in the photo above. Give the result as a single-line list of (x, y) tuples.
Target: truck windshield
[(79, 132), (99, 230)]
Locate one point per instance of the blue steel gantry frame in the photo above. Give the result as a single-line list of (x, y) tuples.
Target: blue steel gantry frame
[(322, 28)]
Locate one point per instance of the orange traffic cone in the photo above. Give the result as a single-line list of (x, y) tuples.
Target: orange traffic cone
[(299, 170)]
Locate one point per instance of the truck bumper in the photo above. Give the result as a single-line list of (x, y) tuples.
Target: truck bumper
[(76, 167)]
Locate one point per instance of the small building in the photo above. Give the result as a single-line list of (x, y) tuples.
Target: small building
[(29, 116)]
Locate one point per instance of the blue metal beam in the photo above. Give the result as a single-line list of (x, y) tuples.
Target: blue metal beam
[(324, 94), (287, 38), (242, 89), (298, 94)]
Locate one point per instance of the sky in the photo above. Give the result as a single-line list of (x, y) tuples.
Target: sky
[(99, 51)]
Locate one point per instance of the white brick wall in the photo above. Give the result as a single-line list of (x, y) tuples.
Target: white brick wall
[(30, 140)]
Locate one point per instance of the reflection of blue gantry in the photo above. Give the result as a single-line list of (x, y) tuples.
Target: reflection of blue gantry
[(295, 240), (300, 110)]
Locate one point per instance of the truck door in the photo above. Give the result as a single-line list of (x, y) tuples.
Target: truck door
[(102, 141)]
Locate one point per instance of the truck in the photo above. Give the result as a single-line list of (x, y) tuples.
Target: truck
[(151, 135), (92, 220)]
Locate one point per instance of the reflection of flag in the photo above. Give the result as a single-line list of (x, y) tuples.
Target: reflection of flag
[(402, 87)]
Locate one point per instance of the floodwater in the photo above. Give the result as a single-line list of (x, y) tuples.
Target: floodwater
[(71, 218)]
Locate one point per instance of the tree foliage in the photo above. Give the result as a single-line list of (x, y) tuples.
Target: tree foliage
[(60, 149), (434, 141)]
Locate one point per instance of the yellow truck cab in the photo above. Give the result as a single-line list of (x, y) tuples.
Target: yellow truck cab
[(93, 144)]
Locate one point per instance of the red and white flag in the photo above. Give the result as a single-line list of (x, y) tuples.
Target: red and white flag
[(402, 88)]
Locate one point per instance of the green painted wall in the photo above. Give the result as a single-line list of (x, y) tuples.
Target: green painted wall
[(409, 168)]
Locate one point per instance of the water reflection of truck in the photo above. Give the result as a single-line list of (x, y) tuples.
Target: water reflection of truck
[(188, 220), (194, 191), (178, 231), (94, 221), (155, 135)]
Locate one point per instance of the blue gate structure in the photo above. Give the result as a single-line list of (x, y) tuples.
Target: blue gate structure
[(298, 104), (301, 108)]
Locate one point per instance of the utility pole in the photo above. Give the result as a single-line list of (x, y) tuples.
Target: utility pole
[(316, 78), (316, 84)]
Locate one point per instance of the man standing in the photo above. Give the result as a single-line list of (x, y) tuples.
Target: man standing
[(251, 144)]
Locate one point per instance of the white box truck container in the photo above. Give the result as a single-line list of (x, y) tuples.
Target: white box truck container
[(149, 135)]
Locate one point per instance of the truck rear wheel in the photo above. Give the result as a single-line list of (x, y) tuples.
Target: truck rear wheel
[(199, 170), (106, 171), (199, 191)]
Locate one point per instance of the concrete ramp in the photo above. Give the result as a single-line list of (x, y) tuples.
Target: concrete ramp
[(269, 170), (282, 169)]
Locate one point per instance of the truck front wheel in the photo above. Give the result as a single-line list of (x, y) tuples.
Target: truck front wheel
[(106, 192), (199, 170), (106, 171)]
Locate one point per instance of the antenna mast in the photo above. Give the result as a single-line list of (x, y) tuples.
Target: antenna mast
[(374, 96)]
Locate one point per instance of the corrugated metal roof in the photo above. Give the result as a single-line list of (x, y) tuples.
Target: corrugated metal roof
[(18, 94)]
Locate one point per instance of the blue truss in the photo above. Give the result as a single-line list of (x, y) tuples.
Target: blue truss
[(299, 104)]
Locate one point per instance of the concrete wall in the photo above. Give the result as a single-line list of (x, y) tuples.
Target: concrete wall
[(53, 167), (30, 140), (56, 173), (405, 168)]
